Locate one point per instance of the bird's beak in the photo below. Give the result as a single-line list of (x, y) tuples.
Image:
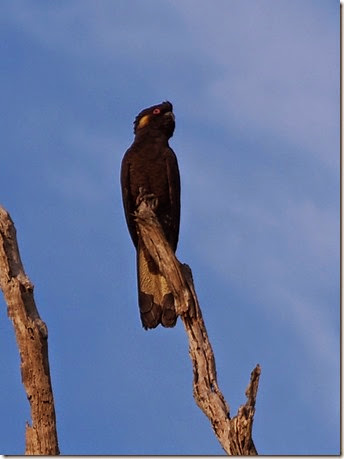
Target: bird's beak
[(171, 114)]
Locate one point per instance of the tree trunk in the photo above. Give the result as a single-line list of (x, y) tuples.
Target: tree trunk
[(32, 340), (234, 434)]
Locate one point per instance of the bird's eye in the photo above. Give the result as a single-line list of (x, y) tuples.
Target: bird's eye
[(156, 111)]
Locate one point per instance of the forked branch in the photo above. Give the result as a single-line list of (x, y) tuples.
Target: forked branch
[(32, 339), (234, 434)]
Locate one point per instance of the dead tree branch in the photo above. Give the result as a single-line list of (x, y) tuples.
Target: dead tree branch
[(32, 339), (234, 434)]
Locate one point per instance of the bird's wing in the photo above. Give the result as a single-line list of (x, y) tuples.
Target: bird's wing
[(174, 194), (128, 204)]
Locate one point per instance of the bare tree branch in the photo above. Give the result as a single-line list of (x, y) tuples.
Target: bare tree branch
[(234, 434), (32, 339)]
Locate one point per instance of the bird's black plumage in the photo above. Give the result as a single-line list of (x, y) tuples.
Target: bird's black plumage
[(150, 166)]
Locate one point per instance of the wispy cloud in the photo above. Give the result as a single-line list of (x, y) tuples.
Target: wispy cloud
[(107, 32), (281, 247), (277, 71)]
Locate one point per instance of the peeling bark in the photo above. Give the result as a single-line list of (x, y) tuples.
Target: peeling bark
[(234, 434), (32, 340)]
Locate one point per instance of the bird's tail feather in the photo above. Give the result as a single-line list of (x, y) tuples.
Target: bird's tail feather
[(156, 301)]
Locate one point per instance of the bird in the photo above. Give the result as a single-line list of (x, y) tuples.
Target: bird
[(150, 167)]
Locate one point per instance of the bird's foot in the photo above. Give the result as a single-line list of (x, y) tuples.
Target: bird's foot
[(150, 199)]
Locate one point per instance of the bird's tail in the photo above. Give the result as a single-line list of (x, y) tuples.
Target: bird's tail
[(156, 300)]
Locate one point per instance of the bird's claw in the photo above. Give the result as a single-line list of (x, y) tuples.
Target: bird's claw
[(150, 198)]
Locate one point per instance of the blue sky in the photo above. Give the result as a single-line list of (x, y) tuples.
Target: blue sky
[(255, 89)]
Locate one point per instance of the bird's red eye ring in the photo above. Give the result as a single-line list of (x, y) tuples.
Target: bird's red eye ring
[(156, 111)]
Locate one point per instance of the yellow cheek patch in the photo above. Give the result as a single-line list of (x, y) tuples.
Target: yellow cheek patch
[(143, 121)]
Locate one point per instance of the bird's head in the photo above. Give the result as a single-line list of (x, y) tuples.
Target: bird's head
[(156, 120)]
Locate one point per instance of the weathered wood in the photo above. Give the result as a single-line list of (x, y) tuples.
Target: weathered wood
[(235, 435), (32, 340), (161, 252)]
